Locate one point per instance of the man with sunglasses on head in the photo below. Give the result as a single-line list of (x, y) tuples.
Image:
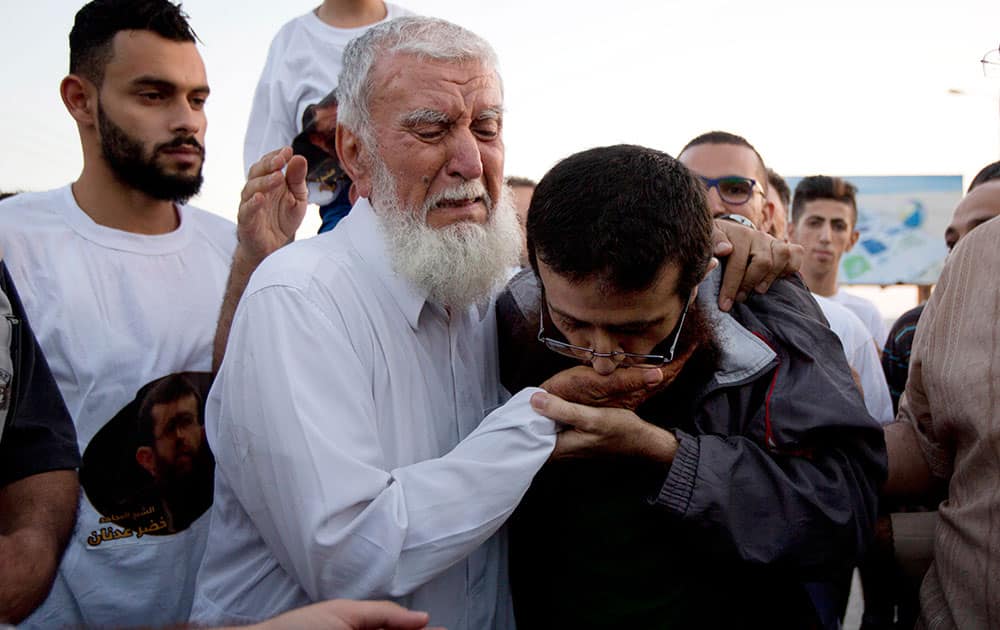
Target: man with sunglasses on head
[(717, 498)]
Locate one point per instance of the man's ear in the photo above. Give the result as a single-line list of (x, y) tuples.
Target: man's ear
[(854, 239), (144, 457), (791, 230), (79, 96), (767, 216), (353, 157)]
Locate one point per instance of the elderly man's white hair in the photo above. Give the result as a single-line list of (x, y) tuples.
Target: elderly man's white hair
[(426, 37)]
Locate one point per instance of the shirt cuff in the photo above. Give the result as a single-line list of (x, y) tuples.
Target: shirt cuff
[(676, 491)]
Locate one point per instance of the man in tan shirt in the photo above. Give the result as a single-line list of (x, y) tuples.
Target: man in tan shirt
[(948, 431)]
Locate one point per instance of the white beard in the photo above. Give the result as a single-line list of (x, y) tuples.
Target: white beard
[(459, 264)]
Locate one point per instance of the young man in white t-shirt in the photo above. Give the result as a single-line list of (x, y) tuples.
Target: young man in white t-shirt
[(302, 67), (824, 216), (123, 282)]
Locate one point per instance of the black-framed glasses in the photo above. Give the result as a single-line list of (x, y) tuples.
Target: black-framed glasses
[(733, 189), (991, 62), (621, 358)]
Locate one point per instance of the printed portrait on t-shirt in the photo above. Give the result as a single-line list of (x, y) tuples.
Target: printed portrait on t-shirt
[(149, 470), (317, 143)]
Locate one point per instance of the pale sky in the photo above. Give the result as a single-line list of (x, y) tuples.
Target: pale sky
[(847, 87)]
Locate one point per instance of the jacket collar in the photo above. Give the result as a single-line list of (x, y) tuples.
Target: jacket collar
[(743, 355)]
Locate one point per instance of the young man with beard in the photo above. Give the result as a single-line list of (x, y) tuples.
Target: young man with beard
[(123, 281), (734, 484)]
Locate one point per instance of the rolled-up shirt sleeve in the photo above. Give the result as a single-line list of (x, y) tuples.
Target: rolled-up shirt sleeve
[(298, 437)]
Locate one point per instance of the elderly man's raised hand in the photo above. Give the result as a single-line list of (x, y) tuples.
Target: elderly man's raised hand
[(755, 260), (272, 204)]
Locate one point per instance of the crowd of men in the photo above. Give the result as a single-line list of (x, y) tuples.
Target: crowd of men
[(632, 394)]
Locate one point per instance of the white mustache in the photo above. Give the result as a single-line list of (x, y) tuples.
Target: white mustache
[(466, 190)]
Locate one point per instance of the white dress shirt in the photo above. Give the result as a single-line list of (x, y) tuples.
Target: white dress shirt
[(353, 457), (862, 356)]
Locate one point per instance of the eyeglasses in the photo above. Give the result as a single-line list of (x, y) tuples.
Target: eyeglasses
[(733, 189), (623, 359), (991, 62)]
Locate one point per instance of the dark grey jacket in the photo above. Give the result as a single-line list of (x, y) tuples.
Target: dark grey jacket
[(778, 465)]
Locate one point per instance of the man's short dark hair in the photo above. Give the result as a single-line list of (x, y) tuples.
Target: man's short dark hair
[(620, 214), (724, 137), (780, 186), (164, 390), (987, 174), (99, 21), (824, 187)]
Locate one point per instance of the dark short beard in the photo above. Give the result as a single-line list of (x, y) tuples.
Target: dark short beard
[(677, 401), (124, 154)]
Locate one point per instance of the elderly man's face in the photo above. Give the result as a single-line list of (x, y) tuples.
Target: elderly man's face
[(438, 126)]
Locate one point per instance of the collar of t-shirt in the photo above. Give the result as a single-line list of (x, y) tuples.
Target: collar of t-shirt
[(147, 244)]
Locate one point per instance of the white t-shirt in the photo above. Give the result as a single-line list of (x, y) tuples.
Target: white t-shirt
[(114, 311), (302, 67), (862, 356), (867, 312), (353, 457)]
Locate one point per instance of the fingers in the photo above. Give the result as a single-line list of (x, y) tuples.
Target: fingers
[(785, 259), (795, 255), (740, 240), (555, 408), (363, 615), (779, 259), (265, 174), (270, 162), (295, 177), (249, 206), (571, 444), (720, 242), (583, 385), (262, 184), (759, 265)]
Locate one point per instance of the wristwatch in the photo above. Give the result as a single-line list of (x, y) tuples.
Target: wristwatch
[(738, 218)]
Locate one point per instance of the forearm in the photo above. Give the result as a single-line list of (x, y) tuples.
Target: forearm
[(909, 474), (243, 266), (805, 510), (37, 514), (386, 533)]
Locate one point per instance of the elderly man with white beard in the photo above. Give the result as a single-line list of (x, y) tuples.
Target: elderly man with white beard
[(364, 445), (347, 418)]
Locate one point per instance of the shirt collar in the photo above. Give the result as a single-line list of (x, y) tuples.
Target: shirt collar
[(366, 235)]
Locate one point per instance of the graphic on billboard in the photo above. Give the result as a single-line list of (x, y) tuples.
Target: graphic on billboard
[(901, 221)]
